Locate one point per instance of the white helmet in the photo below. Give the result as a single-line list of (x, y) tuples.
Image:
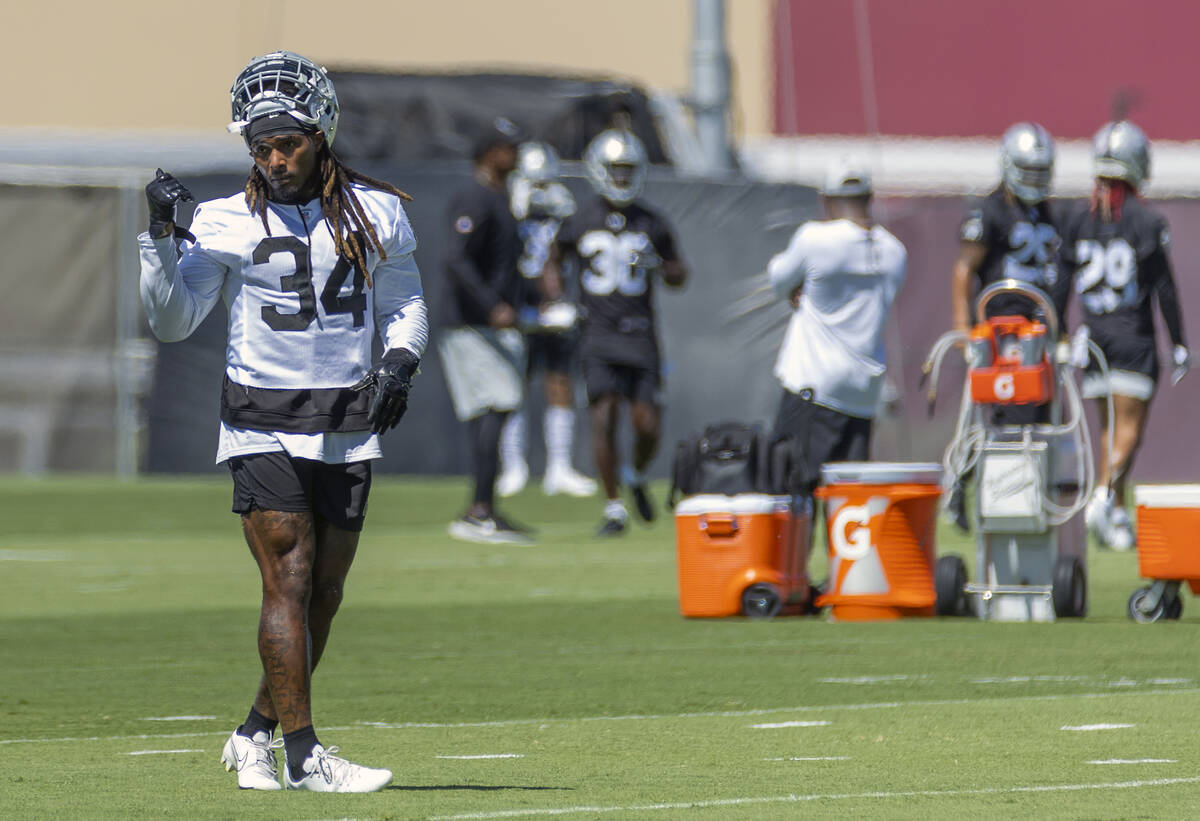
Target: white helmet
[(1027, 162), (284, 82), (534, 186), (1121, 151), (616, 149)]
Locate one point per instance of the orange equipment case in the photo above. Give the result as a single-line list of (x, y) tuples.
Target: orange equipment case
[(881, 519), (746, 553), (1009, 364), (1168, 518)]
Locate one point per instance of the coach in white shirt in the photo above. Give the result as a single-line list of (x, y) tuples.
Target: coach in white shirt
[(841, 276)]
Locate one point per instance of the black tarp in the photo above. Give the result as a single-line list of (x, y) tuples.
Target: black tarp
[(417, 117)]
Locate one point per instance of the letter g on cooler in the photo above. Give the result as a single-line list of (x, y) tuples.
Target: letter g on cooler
[(1004, 386), (856, 545)]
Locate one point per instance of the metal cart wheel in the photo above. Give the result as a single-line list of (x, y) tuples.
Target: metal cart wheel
[(1139, 610), (949, 582), (761, 601)]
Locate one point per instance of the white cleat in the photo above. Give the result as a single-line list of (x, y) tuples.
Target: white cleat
[(569, 481), (325, 772), (1120, 531), (254, 760), (512, 480), (1097, 516)]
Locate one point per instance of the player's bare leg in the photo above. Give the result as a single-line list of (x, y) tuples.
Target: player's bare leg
[(646, 424), (1129, 416), (604, 411)]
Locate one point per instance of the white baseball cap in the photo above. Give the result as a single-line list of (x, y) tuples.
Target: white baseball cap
[(847, 177)]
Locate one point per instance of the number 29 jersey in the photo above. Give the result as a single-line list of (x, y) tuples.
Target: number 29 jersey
[(617, 252)]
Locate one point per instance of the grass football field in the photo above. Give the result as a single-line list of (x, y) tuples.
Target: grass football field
[(554, 681)]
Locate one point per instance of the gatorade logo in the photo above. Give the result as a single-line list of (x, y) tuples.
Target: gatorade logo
[(1004, 387), (852, 544)]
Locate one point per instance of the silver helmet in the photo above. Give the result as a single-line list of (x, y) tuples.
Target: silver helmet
[(534, 186), (1121, 151), (1027, 162), (284, 82), (616, 165)]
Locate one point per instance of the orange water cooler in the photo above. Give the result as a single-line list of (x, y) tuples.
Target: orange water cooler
[(742, 554), (1168, 518), (881, 519)]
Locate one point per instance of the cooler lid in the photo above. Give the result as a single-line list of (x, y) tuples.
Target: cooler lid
[(743, 503), (881, 473), (1167, 495)]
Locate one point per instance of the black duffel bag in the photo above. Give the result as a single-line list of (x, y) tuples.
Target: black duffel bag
[(731, 458)]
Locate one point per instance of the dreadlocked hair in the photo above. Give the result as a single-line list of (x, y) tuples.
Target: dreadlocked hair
[(1108, 196), (347, 219)]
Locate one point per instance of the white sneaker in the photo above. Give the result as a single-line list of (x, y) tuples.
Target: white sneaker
[(489, 530), (254, 760), (512, 480), (569, 481), (1120, 530), (325, 772), (1097, 515)]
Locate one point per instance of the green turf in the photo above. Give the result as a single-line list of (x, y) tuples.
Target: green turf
[(126, 602)]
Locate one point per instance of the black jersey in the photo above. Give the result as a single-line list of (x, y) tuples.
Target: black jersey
[(1116, 267), (481, 257), (618, 250), (1022, 243), (537, 236)]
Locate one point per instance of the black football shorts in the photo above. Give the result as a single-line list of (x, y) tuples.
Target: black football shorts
[(603, 378), (822, 434), (277, 481), (550, 353)]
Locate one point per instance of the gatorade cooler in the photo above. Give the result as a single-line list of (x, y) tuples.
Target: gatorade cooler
[(745, 554), (1168, 518), (882, 519)]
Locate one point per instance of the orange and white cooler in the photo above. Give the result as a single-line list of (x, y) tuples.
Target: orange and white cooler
[(728, 545), (882, 520), (1168, 519)]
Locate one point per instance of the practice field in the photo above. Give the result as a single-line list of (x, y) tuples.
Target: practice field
[(554, 681)]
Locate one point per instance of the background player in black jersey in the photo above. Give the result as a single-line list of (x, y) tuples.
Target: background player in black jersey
[(1015, 233), (621, 247), (541, 202), (1116, 250), (483, 354)]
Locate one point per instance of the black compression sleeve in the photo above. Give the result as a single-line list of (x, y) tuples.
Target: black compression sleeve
[(1168, 297)]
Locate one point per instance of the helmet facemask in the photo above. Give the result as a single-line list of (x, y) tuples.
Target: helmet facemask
[(1027, 162), (616, 166), (284, 82)]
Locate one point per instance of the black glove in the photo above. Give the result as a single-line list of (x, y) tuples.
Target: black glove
[(391, 380), (162, 193)]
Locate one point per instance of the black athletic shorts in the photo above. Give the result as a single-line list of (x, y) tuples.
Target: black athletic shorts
[(822, 434), (1137, 355), (602, 378), (277, 481), (550, 353)]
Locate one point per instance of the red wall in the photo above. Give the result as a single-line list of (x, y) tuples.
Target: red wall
[(973, 67)]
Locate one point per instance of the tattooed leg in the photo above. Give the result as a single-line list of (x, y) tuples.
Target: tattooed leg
[(284, 546)]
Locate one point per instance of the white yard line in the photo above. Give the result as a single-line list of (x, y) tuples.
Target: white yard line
[(179, 718), (812, 758), (478, 757), (797, 799), (521, 722), (1089, 728), (784, 724), (162, 752), (1136, 761)]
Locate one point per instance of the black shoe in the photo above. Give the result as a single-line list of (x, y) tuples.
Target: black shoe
[(956, 507), (612, 527), (641, 503)]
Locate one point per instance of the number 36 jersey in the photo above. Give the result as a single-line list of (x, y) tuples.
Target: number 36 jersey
[(618, 252), (300, 317)]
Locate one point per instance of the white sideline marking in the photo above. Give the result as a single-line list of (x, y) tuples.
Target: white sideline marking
[(1135, 761), (1087, 728), (179, 718), (868, 679), (782, 724), (811, 758), (475, 757), (519, 722), (34, 556), (161, 752), (795, 799)]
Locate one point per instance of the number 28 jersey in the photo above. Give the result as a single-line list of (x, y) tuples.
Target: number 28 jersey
[(618, 251)]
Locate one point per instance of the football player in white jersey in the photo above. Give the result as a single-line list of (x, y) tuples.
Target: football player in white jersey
[(841, 275), (312, 260)]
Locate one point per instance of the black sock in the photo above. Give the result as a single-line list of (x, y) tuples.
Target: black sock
[(257, 721), (298, 746)]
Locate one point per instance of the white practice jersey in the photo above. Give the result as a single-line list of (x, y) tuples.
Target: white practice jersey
[(849, 277), (300, 318)]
